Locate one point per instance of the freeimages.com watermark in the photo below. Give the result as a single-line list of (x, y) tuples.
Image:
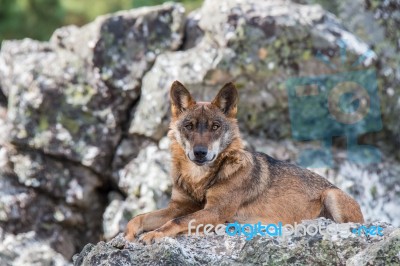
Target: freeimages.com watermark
[(280, 230)]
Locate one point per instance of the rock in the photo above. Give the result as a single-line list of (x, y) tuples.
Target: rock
[(23, 210), (3, 99), (4, 127), (123, 45), (27, 249), (338, 248), (60, 201), (67, 102), (127, 150), (63, 106), (259, 45), (374, 21), (75, 184), (145, 181), (50, 85), (151, 117), (52, 91), (147, 176), (193, 32), (385, 252)]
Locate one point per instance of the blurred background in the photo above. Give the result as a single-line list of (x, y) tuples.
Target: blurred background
[(37, 19), (84, 106)]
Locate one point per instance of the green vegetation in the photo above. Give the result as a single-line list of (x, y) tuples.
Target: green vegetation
[(38, 19)]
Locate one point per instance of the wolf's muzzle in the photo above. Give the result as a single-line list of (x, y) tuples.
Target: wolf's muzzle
[(200, 152)]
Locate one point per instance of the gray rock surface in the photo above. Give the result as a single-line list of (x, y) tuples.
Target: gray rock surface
[(70, 97), (146, 182), (63, 109), (376, 22), (29, 250), (257, 44), (124, 45), (338, 248), (58, 201)]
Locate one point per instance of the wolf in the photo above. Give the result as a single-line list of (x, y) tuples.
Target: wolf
[(216, 180)]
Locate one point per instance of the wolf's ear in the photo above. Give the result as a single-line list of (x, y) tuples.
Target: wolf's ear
[(180, 98), (227, 99)]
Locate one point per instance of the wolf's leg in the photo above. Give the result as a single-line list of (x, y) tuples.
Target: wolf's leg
[(181, 224), (178, 206), (151, 220), (341, 206), (221, 206)]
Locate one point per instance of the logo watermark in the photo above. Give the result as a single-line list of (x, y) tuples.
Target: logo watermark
[(341, 104), (280, 230), (368, 231)]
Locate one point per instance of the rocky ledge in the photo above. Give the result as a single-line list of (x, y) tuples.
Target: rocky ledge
[(341, 246)]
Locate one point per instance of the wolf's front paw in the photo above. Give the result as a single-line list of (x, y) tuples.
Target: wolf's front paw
[(133, 229), (151, 237)]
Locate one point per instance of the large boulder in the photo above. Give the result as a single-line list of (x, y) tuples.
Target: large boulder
[(69, 98), (57, 106), (123, 46), (376, 23), (64, 105), (60, 201), (259, 45)]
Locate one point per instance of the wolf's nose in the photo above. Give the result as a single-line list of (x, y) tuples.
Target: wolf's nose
[(200, 151)]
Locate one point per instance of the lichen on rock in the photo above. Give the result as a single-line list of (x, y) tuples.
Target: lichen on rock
[(337, 248)]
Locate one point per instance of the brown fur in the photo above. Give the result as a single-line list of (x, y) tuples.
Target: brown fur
[(229, 183)]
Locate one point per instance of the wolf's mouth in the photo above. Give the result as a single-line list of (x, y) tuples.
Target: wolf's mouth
[(203, 161)]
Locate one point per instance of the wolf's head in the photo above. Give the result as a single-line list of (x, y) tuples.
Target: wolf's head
[(204, 129)]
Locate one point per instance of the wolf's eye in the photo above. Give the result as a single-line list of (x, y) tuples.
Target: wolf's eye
[(189, 127), (215, 127)]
